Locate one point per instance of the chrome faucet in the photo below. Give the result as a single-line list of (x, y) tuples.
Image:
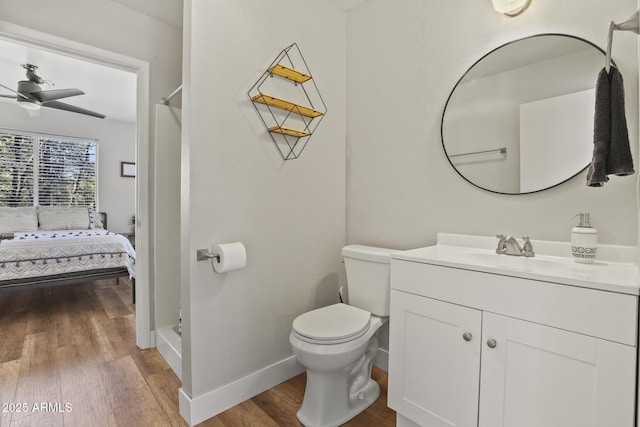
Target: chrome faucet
[(508, 245)]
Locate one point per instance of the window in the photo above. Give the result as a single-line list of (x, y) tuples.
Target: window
[(47, 170)]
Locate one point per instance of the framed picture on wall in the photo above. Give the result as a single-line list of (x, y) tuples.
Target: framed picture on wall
[(127, 169)]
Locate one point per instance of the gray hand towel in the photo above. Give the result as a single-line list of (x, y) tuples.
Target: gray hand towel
[(611, 151), (597, 175), (619, 161)]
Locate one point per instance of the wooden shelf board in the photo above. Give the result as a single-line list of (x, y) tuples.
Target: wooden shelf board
[(289, 73), (289, 131), (285, 105)]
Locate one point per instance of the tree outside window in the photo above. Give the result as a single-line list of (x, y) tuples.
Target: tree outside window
[(47, 170)]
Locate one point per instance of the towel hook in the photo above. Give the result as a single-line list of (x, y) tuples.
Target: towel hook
[(631, 24), (607, 62)]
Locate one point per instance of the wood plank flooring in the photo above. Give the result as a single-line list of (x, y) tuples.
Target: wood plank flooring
[(68, 358)]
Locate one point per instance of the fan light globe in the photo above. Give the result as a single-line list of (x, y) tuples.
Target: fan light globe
[(510, 7), (28, 105)]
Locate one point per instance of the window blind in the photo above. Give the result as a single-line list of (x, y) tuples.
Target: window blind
[(47, 170), (16, 170)]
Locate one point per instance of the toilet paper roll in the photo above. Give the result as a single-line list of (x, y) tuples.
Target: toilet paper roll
[(231, 256)]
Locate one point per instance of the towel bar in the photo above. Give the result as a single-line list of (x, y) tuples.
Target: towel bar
[(502, 150)]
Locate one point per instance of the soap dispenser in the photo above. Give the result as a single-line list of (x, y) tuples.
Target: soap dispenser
[(584, 240)]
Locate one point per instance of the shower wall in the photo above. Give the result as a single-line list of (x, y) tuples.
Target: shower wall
[(167, 216)]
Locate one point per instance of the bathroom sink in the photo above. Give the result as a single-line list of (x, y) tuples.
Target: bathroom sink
[(614, 268), (540, 264)]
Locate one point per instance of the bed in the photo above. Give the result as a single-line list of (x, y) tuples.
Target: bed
[(60, 246)]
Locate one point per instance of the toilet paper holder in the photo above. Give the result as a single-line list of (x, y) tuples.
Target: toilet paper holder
[(205, 254)]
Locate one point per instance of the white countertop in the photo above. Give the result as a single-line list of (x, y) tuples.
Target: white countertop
[(474, 253)]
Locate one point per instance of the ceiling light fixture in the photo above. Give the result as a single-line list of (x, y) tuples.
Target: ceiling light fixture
[(28, 105), (511, 7)]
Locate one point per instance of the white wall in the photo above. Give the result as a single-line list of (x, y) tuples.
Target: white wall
[(116, 143), (289, 215), (401, 189), (551, 149)]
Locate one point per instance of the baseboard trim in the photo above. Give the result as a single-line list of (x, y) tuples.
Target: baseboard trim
[(169, 345), (196, 410), (382, 359)]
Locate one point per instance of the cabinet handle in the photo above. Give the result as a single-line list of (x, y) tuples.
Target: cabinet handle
[(492, 343), (467, 336)]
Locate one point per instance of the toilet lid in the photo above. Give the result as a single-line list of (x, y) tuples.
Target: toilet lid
[(337, 322)]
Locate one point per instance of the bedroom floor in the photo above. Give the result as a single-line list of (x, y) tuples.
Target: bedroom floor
[(68, 358)]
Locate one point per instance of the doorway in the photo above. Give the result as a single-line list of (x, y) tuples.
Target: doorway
[(93, 55)]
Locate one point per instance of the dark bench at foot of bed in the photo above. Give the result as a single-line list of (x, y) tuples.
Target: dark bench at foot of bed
[(67, 279)]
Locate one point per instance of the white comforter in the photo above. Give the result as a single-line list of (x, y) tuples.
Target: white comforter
[(58, 252)]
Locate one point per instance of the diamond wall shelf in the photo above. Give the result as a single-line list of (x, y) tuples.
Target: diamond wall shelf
[(288, 102)]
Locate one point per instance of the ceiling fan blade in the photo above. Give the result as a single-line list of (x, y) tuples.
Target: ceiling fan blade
[(17, 93), (7, 96), (52, 95), (66, 107)]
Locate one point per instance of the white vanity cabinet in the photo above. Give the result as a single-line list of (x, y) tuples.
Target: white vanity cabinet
[(471, 348)]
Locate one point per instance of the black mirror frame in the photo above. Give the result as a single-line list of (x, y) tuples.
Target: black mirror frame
[(467, 72)]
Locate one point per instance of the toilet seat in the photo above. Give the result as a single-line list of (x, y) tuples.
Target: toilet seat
[(334, 324)]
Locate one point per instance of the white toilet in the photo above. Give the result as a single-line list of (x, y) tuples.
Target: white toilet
[(337, 343)]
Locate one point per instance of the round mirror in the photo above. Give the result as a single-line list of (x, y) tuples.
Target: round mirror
[(520, 120)]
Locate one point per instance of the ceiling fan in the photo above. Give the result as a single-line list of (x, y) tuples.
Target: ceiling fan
[(30, 95)]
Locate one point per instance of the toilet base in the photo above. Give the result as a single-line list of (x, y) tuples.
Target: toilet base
[(340, 413), (339, 384)]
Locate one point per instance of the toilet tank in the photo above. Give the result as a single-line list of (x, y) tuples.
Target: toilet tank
[(368, 277)]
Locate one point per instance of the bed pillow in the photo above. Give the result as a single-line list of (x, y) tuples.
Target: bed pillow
[(14, 220), (94, 219), (63, 218)]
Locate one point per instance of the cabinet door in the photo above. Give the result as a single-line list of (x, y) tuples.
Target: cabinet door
[(434, 364), (536, 376)]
